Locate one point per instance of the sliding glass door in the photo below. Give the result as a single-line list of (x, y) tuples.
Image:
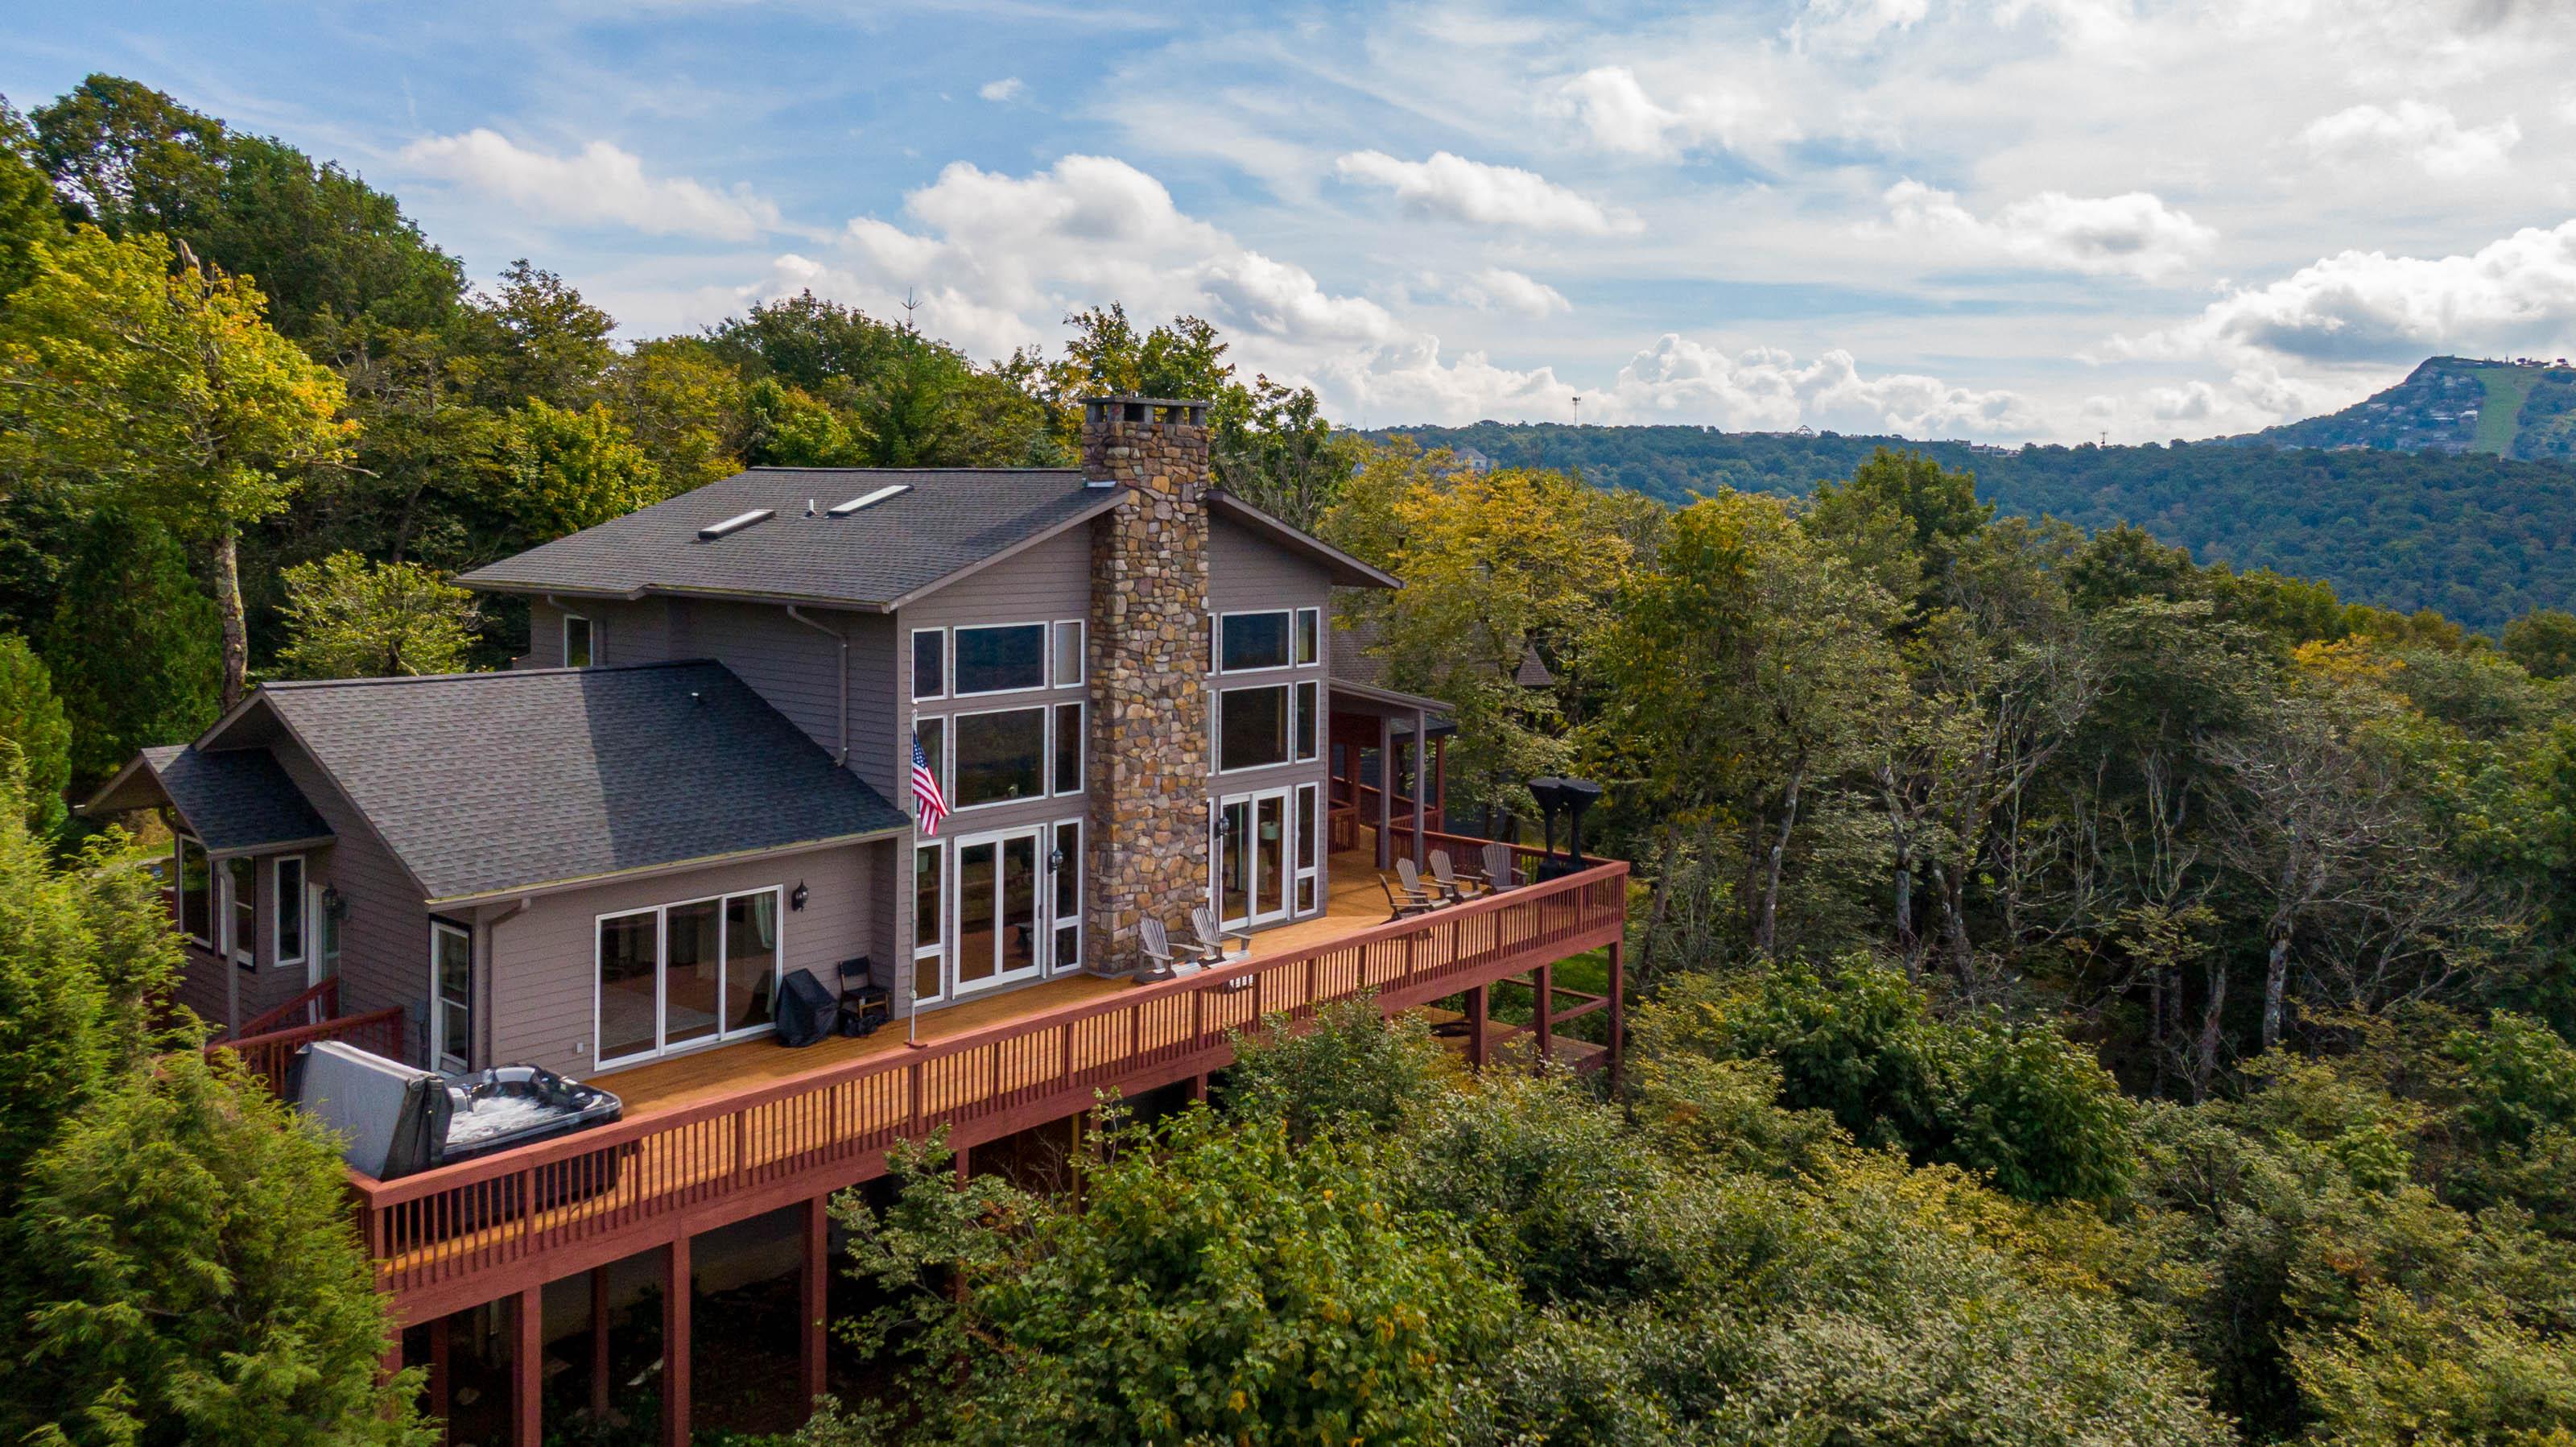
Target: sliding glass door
[(999, 934), (682, 974)]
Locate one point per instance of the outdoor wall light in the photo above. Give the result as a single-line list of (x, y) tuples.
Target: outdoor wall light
[(1055, 860), (796, 897)]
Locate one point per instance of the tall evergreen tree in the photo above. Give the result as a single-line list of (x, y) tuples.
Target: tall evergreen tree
[(134, 647), (33, 730)]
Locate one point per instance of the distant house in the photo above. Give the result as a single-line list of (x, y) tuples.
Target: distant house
[(1472, 460)]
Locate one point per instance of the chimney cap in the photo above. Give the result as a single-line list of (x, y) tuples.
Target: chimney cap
[(1148, 411), (1149, 401)]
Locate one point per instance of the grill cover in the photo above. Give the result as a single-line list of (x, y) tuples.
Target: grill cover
[(806, 1011)]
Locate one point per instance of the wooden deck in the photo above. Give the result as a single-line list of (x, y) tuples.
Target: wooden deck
[(747, 1129)]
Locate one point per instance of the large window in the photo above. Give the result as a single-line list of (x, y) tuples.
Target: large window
[(929, 914), (1252, 727), (289, 947), (929, 663), (702, 969), (1068, 653), (1001, 659), (578, 641), (196, 893), (241, 888), (1252, 640), (1310, 844), (933, 733), (1310, 636), (1000, 756), (1068, 748)]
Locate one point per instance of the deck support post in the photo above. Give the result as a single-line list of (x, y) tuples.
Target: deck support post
[(1385, 792), (1478, 1008), (599, 1342), (528, 1368), (1421, 766), (438, 1378), (676, 1278), (1618, 1010), (1198, 1086), (1543, 1018), (815, 1296), (965, 1167)]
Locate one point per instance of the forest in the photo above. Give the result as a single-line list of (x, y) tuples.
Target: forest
[(2082, 993), (2478, 538)]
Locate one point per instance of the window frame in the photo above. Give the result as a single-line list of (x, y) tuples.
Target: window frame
[(1058, 922), (1056, 788), (1287, 727), (1081, 652), (589, 639), (180, 845), (953, 785), (937, 950), (938, 756), (1307, 627), (945, 669), (277, 912), (1046, 655), (241, 938), (663, 1049), (435, 1027), (1305, 719), (1306, 879), (1287, 640)]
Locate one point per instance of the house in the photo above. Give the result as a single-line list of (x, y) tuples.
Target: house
[(699, 781)]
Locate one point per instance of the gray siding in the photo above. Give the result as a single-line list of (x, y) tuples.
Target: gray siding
[(384, 934), (544, 970), (638, 632), (1245, 573)]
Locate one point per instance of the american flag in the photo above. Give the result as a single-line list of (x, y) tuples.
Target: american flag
[(925, 792)]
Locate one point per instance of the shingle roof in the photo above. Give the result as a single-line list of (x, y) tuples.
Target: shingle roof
[(235, 799), (948, 520), (488, 783)]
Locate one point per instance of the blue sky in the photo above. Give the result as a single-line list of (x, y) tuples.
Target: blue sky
[(1996, 219)]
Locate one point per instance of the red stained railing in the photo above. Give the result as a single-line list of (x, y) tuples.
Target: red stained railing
[(454, 1235), (312, 1007), (267, 1055)]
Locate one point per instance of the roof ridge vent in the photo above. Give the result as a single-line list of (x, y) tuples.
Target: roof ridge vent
[(869, 499), (735, 524)]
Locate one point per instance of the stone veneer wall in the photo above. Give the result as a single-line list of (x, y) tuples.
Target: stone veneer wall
[(1148, 665)]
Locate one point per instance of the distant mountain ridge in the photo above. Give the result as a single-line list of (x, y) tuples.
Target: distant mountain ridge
[(2523, 408), (2481, 537)]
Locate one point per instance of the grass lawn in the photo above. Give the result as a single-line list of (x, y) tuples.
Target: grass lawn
[(2507, 387)]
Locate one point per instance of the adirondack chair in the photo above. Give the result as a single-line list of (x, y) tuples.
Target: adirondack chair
[(1409, 903), (1157, 944), (1499, 874), (1212, 938), (1446, 878), (1411, 880)]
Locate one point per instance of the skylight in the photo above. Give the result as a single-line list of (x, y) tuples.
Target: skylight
[(844, 509), (735, 524)]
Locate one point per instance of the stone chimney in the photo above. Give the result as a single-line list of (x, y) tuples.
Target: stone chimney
[(1149, 664)]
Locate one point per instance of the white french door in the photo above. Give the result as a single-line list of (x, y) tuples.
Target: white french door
[(1252, 853), (994, 898)]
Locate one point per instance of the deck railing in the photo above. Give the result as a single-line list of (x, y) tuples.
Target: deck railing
[(269, 1054), (311, 1007), (450, 1237)]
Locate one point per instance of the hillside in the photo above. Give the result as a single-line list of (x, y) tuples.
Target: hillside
[(2479, 537), (2524, 409)]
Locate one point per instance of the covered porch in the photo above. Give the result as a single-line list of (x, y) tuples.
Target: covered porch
[(1388, 774)]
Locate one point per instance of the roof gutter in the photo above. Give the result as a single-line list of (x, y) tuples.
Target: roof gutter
[(840, 636)]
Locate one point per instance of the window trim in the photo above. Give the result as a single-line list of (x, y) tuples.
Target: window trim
[(1297, 638), (1307, 831), (945, 666), (243, 952), (662, 1048), (1287, 731), (1046, 656), (277, 912), (1081, 653), (435, 1032), (1057, 923), (590, 629), (1305, 721), (1046, 754), (180, 845), (938, 951), (1216, 658), (1055, 748), (938, 757)]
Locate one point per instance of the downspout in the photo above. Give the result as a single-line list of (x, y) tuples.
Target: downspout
[(841, 638)]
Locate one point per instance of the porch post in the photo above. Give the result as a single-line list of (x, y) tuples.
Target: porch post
[(1618, 1009), (675, 1342), (528, 1369), (1421, 771), (1477, 1011), (816, 1300), (1440, 781), (1385, 791), (599, 1341), (438, 1371), (1544, 1017)]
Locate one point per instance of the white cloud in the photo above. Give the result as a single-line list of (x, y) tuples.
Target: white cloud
[(2419, 132), (1009, 88), (2135, 233), (1616, 114), (1499, 289), (1456, 188), (1766, 389), (599, 184), (2514, 295), (1849, 24)]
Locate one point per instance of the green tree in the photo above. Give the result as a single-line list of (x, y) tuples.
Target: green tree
[(349, 618), (790, 428), (200, 1280), (28, 215), (565, 471), (537, 340), (2543, 641), (34, 732), (135, 646), (173, 392), (686, 408)]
